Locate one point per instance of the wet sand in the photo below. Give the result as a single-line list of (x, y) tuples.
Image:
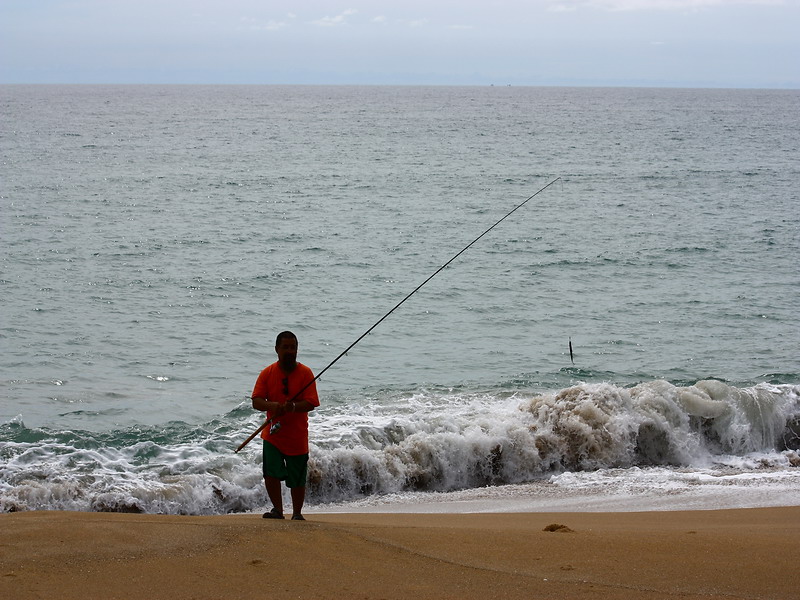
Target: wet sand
[(747, 553)]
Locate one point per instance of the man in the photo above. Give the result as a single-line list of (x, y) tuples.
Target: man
[(286, 391)]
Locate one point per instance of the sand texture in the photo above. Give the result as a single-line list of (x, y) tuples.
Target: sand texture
[(728, 554)]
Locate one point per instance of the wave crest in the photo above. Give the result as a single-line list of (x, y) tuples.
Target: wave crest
[(430, 441)]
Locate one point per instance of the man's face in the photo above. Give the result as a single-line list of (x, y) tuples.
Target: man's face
[(287, 352)]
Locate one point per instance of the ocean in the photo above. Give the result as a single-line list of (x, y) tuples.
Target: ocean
[(155, 239)]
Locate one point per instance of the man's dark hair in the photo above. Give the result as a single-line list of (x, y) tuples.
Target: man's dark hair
[(284, 334)]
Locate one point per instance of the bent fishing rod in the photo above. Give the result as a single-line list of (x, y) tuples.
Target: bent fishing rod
[(396, 306)]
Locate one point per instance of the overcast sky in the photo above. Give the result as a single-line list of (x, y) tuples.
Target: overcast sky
[(688, 43)]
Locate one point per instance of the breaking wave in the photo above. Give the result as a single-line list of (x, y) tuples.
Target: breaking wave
[(406, 443)]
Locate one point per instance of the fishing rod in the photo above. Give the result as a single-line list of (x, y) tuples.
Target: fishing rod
[(396, 306)]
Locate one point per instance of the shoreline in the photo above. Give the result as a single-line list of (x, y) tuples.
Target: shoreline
[(728, 553), (606, 490)]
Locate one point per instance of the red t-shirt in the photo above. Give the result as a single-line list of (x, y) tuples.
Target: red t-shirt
[(277, 386)]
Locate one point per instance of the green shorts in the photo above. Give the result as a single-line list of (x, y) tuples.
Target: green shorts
[(292, 469)]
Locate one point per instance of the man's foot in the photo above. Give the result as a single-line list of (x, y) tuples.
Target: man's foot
[(298, 517), (273, 514)]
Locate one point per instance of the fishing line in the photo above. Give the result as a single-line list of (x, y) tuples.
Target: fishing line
[(396, 306)]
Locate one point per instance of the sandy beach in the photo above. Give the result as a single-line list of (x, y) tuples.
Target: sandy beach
[(749, 553)]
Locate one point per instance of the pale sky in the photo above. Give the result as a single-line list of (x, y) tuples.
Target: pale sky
[(686, 43)]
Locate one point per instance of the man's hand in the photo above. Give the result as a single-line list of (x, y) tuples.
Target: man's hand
[(280, 409), (276, 408)]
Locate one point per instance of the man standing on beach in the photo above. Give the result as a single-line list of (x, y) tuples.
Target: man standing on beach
[(286, 391)]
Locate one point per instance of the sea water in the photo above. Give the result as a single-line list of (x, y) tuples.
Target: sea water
[(155, 239)]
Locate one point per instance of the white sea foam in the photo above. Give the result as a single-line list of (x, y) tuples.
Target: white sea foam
[(595, 444), (605, 490), (482, 441)]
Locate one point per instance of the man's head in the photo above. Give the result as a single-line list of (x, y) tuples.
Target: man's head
[(286, 349)]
